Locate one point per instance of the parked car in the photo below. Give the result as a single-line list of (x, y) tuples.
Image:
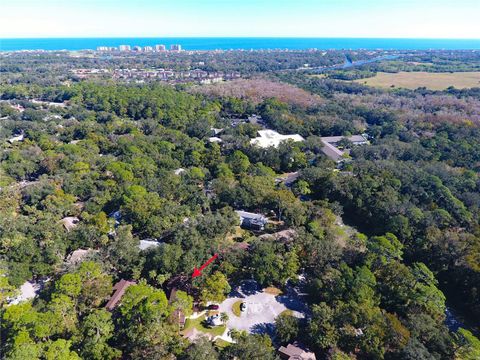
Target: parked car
[(213, 307), (243, 306)]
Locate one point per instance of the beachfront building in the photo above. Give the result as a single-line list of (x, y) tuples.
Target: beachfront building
[(124, 48), (160, 47)]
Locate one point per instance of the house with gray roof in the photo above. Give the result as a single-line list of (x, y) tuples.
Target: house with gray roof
[(252, 221)]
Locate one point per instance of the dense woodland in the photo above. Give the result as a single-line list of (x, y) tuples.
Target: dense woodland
[(385, 240)]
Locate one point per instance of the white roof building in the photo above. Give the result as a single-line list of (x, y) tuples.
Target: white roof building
[(148, 244), (179, 171), (16, 139), (27, 292), (268, 138), (215, 139)]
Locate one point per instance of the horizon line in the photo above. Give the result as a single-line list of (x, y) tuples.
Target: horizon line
[(234, 37)]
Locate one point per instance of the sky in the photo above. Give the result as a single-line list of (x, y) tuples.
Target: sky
[(241, 18)]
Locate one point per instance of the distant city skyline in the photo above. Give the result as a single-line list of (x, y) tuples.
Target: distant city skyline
[(241, 18)]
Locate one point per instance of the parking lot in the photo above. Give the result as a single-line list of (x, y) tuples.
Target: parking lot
[(262, 308)]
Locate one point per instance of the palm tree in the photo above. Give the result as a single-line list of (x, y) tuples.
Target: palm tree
[(224, 317)]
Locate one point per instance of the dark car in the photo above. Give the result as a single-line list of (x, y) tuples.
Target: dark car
[(213, 307)]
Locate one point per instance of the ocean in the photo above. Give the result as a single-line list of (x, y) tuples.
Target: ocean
[(241, 43)]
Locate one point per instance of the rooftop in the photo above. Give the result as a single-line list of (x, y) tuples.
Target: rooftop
[(268, 138), (70, 222), (295, 352), (79, 255), (119, 288), (354, 139)]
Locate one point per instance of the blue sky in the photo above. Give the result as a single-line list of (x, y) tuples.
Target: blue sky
[(291, 18)]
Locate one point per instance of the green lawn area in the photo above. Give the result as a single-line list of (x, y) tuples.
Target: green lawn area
[(221, 343), (287, 312), (236, 308), (199, 324)]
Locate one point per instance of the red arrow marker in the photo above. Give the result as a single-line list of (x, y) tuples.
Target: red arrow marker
[(198, 272)]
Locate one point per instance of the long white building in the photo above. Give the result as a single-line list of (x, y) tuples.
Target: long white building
[(268, 138)]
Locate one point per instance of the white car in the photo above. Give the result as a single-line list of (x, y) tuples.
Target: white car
[(243, 307)]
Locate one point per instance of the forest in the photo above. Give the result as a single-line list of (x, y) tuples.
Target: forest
[(386, 243)]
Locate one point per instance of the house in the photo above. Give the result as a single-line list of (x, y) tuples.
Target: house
[(330, 145), (269, 138), (332, 152), (70, 222), (119, 288), (16, 138), (355, 139), (295, 352), (179, 171), (256, 120), (148, 244), (288, 179), (252, 221), (216, 131), (215, 139), (78, 256)]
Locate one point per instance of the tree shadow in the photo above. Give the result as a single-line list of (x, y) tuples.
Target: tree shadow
[(263, 328), (249, 287), (293, 303)]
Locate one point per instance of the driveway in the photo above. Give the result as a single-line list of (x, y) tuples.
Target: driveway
[(262, 308)]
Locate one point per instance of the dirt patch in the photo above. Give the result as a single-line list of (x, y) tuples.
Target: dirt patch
[(273, 291)]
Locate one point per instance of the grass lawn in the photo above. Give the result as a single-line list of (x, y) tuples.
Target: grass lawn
[(287, 312), (220, 343), (236, 308), (272, 290), (416, 79), (200, 325)]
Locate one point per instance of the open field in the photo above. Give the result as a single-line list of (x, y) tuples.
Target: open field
[(434, 81)]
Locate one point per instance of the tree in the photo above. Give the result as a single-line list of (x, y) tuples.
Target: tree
[(23, 347), (184, 302), (123, 253), (97, 329), (6, 290), (468, 345), (271, 264), (287, 328), (215, 288), (224, 317), (250, 347), (239, 162), (60, 349), (323, 332), (201, 349)]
